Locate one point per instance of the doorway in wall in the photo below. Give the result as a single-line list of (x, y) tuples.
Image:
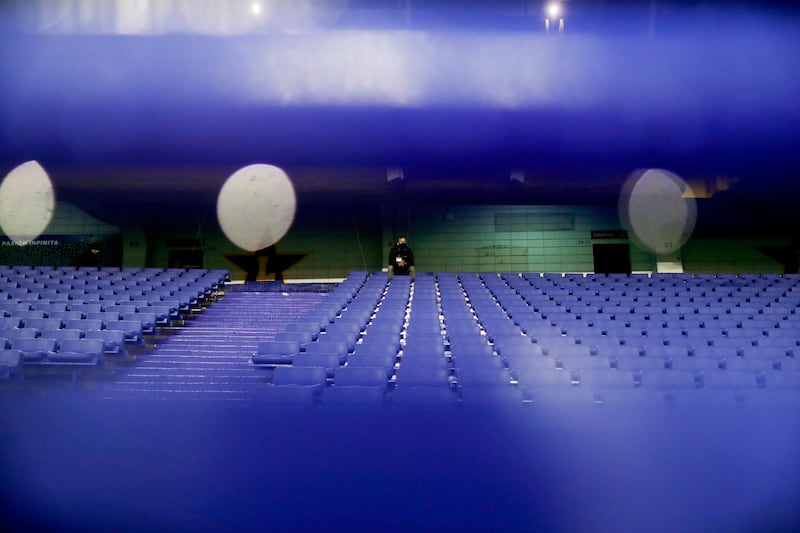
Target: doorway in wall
[(185, 259), (612, 258)]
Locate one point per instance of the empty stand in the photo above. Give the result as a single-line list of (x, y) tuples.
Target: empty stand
[(481, 338)]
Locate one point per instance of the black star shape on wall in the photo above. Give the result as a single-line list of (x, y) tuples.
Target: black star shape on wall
[(263, 264)]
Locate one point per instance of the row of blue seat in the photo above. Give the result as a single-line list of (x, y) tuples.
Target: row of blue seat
[(38, 271), (451, 330), (34, 280), (292, 394), (116, 334), (678, 279), (40, 326), (50, 351), (183, 299)]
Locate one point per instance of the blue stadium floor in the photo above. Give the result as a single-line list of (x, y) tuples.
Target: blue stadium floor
[(181, 438)]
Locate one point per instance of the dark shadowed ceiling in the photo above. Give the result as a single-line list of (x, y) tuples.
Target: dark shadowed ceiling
[(138, 113)]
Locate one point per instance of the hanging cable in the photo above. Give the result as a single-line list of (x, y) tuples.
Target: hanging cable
[(201, 222), (358, 237)]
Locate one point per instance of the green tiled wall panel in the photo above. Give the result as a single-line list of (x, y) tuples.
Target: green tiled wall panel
[(464, 237), (729, 256), (444, 239)]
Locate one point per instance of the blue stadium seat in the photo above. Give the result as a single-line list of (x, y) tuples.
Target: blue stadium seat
[(13, 334), (131, 328), (149, 321), (617, 352), (361, 376), (422, 376), (84, 351), (304, 326), (29, 315), (34, 350), (789, 364), (50, 307), (105, 316), (667, 379), (10, 363), (340, 348), (302, 338), (518, 350), (534, 377), (275, 352), (731, 379), (308, 376), (420, 328), (329, 361), (11, 309), (372, 359), (468, 377), (337, 338), (387, 343), (424, 358), (747, 333), (65, 315), (696, 364), (113, 340), (44, 323), (163, 313), (782, 379), (10, 323), (120, 308), (470, 350), (352, 321), (428, 344), (62, 334), (85, 324), (603, 378), (519, 362), (574, 353), (86, 308)]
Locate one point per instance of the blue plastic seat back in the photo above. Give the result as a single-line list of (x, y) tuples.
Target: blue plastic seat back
[(131, 328), (113, 340), (10, 322), (13, 334), (340, 348), (84, 348), (35, 349), (421, 376), (85, 324), (10, 361), (62, 334), (361, 376), (290, 375), (328, 361), (44, 323), (275, 347)]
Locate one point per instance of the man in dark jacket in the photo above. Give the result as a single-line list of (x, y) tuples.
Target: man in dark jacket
[(401, 259)]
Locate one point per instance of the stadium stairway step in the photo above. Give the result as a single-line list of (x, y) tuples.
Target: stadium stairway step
[(209, 355)]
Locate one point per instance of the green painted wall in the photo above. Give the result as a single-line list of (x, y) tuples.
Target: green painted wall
[(504, 238), (335, 240), (730, 255)]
